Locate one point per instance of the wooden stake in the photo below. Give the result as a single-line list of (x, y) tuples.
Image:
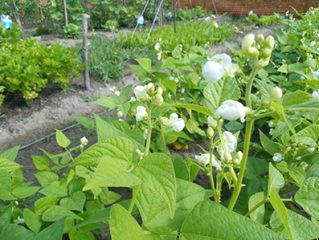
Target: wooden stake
[(65, 13), (174, 12), (86, 74)]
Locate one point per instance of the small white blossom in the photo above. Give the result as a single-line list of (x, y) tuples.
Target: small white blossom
[(232, 110), (174, 122), (84, 141), (217, 67), (141, 113), (157, 47), (277, 157), (159, 56), (315, 94), (216, 25), (145, 134), (141, 93), (117, 93), (250, 12), (120, 114), (276, 94), (315, 75), (133, 99), (311, 149), (176, 80), (212, 122), (204, 160), (230, 141), (312, 44), (183, 90), (20, 220), (271, 132)]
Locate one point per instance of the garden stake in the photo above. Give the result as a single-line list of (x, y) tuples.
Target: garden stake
[(86, 75)]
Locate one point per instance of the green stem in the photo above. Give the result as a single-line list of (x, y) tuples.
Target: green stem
[(250, 85), (238, 186), (134, 199), (210, 173), (149, 133), (256, 207), (233, 174)]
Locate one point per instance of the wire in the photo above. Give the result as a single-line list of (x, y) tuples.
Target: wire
[(158, 10)]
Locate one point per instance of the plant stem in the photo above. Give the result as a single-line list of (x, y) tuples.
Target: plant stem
[(149, 133), (256, 207), (210, 173), (233, 174), (238, 186), (249, 86), (134, 198)]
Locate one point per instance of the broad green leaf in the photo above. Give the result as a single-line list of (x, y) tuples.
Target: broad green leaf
[(212, 221), (297, 68), (86, 122), (188, 195), (46, 178), (108, 197), (5, 185), (118, 148), (298, 175), (53, 232), (10, 154), (301, 227), (196, 108), (308, 135), (310, 106), (81, 235), (276, 181), (41, 162), (43, 204), (106, 131), (281, 210), (112, 173), (62, 140), (8, 165), (269, 145), (182, 171), (159, 184), (308, 196), (295, 98), (15, 232), (217, 93), (23, 190), (145, 63), (259, 213), (32, 220), (55, 213), (75, 202), (123, 226), (55, 189)]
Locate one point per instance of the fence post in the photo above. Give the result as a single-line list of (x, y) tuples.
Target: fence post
[(86, 75), (65, 13)]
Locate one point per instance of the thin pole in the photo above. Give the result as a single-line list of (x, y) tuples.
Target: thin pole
[(174, 12), (157, 12), (86, 75), (142, 14), (65, 13)]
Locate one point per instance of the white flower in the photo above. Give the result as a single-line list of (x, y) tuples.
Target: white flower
[(250, 12), (183, 90), (120, 114), (20, 220), (311, 149), (277, 157), (216, 25), (230, 141), (315, 94), (133, 99), (232, 110), (157, 46), (176, 80), (276, 94), (117, 93), (212, 122), (203, 159), (159, 56), (84, 141), (141, 93), (271, 132), (207, 19), (315, 75), (174, 122), (312, 44), (217, 67), (141, 113)]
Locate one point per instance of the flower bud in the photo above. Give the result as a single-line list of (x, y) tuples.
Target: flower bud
[(212, 122), (141, 113), (276, 94), (260, 38), (266, 53), (120, 114), (270, 42), (248, 41), (160, 91), (251, 52), (277, 157), (210, 133), (158, 100), (141, 93), (150, 87), (84, 141)]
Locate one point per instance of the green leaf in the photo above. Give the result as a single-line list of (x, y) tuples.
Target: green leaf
[(145, 63), (45, 178), (55, 189), (43, 204), (41, 163), (269, 146), (10, 154), (276, 181), (32, 220), (297, 68), (8, 165), (108, 197), (159, 184), (112, 173), (308, 135), (106, 131), (86, 122), (298, 174), (81, 235), (55, 213), (194, 107), (308, 196), (118, 148), (24, 190), (61, 139), (15, 232), (259, 213), (123, 226), (182, 171), (295, 98), (212, 221), (310, 106), (53, 232), (217, 93), (75, 202), (188, 195), (281, 210)]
